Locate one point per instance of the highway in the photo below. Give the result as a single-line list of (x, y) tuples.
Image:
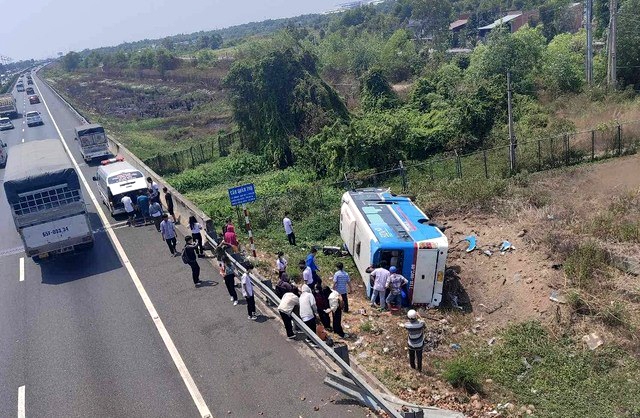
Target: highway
[(120, 330)]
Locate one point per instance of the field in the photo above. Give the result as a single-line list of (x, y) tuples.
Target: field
[(510, 349)]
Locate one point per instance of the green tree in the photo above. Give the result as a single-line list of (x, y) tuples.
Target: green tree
[(629, 43), (168, 44), (165, 61), (376, 93), (399, 56), (71, 61), (213, 41), (563, 68)]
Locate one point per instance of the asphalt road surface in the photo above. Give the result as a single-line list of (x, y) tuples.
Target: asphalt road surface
[(79, 334)]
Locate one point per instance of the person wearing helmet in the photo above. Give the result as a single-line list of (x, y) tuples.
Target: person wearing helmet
[(415, 328), (395, 283)]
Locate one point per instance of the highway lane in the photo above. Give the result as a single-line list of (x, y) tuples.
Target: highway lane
[(94, 350)]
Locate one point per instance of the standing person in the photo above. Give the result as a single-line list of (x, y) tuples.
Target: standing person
[(155, 210), (308, 308), (247, 292), (143, 205), (231, 238), (307, 275), (195, 228), (168, 231), (285, 286), (395, 283), (154, 190), (415, 328), (335, 306), (311, 263), (189, 257), (227, 222), (342, 283), (287, 304), (281, 264), (168, 199), (322, 303), (288, 229), (229, 282), (131, 211), (380, 277)]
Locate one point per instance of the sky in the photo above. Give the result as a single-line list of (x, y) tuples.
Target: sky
[(42, 28)]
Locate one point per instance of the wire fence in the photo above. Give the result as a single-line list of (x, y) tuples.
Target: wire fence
[(534, 155)]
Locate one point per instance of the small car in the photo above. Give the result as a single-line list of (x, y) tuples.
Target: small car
[(34, 118), (29, 81), (20, 87), (34, 99), (3, 155), (5, 123), (30, 90)]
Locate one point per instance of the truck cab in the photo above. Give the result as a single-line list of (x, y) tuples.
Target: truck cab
[(92, 141)]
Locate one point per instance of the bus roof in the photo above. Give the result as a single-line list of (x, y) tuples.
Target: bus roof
[(89, 129), (392, 218)]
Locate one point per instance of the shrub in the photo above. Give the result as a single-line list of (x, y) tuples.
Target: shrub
[(366, 326), (615, 314), (464, 372)]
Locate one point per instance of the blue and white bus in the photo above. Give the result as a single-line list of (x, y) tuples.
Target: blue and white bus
[(377, 225)]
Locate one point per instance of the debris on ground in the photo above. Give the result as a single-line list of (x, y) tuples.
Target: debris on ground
[(593, 340), (557, 297)]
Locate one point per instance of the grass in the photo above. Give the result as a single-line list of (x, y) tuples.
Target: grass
[(585, 264), (555, 374)]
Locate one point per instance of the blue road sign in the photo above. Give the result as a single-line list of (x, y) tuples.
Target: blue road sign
[(242, 194)]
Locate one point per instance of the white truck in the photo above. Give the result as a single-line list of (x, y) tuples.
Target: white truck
[(45, 197), (92, 141), (8, 106)]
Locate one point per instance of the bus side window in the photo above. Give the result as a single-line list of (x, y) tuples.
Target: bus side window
[(358, 249)]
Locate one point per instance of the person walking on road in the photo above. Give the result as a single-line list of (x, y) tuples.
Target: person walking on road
[(281, 264), (415, 328), (311, 263), (380, 277), (395, 283), (342, 284), (288, 229), (308, 308), (307, 275), (143, 205), (189, 257), (131, 211), (247, 292), (335, 307), (229, 282), (196, 229), (154, 190), (168, 231), (168, 200), (287, 304), (155, 210)]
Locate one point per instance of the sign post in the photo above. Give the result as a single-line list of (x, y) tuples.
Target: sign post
[(241, 195)]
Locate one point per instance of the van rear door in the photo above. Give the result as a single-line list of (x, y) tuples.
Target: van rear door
[(425, 277)]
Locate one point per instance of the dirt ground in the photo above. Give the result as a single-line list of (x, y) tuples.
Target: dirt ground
[(502, 289)]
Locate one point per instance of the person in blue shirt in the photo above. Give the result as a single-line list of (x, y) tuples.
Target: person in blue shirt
[(342, 285), (143, 205), (311, 263)]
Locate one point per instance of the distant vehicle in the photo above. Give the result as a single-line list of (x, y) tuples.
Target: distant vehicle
[(34, 118), (3, 154), (34, 99), (29, 81), (20, 87), (376, 225), (92, 141), (45, 197), (30, 90), (5, 123), (8, 107), (115, 179)]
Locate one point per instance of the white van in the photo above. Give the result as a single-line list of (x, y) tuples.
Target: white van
[(115, 179)]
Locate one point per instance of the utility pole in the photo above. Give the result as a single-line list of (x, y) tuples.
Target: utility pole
[(512, 136), (611, 52), (589, 61)]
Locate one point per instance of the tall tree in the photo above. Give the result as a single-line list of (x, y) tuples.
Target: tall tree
[(71, 61), (628, 48)]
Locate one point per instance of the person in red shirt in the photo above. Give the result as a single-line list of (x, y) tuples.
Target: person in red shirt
[(231, 238)]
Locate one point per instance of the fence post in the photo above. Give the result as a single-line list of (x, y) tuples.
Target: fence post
[(193, 161), (553, 152), (213, 149), (202, 152), (175, 157), (593, 145), (458, 165), (619, 139), (403, 173), (484, 157), (539, 154), (431, 170), (566, 149)]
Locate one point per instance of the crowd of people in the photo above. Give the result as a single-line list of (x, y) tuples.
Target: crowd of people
[(320, 305)]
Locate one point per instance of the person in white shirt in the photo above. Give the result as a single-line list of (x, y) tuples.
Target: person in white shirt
[(154, 190), (307, 273), (281, 264), (195, 228), (288, 229), (128, 207), (308, 308), (168, 231), (335, 306), (287, 304), (380, 277), (247, 292)]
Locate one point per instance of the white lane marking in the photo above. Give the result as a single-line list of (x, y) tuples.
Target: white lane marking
[(22, 269), (22, 139), (164, 334), (21, 408)]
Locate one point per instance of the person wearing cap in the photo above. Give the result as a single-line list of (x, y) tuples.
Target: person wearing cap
[(395, 283), (281, 264), (415, 328)]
